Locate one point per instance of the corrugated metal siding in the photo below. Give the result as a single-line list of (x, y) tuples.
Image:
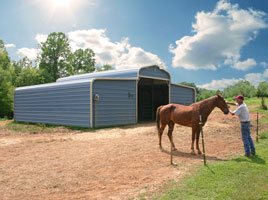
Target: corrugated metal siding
[(181, 95), (117, 102), (65, 104), (154, 71)]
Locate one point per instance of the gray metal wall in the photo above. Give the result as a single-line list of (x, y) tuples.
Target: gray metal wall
[(154, 71), (181, 95), (64, 104), (116, 104)]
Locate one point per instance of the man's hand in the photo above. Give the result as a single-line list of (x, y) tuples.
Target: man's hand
[(231, 112)]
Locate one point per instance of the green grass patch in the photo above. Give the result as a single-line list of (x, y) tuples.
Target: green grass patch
[(26, 127), (239, 178), (4, 119)]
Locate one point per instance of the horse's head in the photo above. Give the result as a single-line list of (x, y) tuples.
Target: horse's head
[(221, 104)]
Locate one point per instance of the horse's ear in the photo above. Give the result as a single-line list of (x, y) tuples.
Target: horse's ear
[(220, 96)]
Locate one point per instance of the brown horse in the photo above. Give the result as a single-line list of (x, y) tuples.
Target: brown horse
[(187, 116)]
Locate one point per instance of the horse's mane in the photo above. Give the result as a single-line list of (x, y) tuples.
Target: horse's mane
[(205, 100)]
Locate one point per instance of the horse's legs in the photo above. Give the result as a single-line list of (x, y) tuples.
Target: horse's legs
[(170, 130), (197, 140), (160, 132), (193, 138)]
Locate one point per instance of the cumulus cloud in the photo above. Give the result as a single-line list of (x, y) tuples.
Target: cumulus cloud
[(121, 54), (218, 37), (40, 38), (10, 45), (31, 53), (253, 78), (245, 65), (219, 84), (263, 64)]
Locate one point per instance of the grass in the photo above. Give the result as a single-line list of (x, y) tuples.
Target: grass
[(26, 127), (239, 178), (4, 119)]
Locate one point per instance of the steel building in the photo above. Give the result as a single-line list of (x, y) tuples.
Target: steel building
[(100, 99)]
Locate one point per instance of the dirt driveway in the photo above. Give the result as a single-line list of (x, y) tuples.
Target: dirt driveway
[(113, 163)]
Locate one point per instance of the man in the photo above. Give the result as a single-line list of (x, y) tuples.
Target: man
[(243, 114)]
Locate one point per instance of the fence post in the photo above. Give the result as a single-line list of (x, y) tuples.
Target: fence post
[(203, 140), (257, 128)]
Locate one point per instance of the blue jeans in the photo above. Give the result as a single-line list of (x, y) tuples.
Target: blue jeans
[(247, 140)]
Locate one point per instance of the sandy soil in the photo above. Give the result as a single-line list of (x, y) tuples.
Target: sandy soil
[(112, 163)]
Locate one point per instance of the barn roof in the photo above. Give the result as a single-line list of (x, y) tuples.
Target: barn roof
[(149, 71)]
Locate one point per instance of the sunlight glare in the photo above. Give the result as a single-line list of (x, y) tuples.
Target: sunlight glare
[(61, 3)]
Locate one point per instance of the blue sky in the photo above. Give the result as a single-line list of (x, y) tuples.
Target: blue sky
[(211, 43)]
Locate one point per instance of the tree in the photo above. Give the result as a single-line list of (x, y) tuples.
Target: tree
[(6, 87), (4, 59), (242, 87), (262, 91), (104, 68), (28, 74), (83, 61), (54, 59)]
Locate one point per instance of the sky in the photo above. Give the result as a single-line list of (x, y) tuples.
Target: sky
[(212, 43)]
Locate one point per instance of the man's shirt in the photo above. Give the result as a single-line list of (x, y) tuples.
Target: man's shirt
[(242, 112)]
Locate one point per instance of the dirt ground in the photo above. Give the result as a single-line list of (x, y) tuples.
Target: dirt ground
[(112, 163)]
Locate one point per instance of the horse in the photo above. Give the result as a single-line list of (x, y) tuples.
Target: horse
[(189, 116)]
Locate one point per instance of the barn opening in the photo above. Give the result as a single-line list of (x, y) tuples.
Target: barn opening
[(151, 94)]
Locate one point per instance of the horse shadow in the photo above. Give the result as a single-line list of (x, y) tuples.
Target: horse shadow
[(178, 153)]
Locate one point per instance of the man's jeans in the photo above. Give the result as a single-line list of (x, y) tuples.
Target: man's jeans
[(247, 140)]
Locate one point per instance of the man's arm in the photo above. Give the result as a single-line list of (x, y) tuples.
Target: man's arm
[(230, 103)]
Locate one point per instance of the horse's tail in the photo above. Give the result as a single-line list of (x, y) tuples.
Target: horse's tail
[(158, 118)]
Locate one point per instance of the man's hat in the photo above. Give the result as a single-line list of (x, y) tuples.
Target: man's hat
[(240, 97)]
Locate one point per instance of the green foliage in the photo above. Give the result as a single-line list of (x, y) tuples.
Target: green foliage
[(83, 61), (104, 68), (55, 57), (6, 93), (4, 59), (27, 74), (6, 87), (204, 94), (242, 87), (262, 91)]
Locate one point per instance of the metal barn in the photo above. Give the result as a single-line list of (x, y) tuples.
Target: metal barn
[(100, 99)]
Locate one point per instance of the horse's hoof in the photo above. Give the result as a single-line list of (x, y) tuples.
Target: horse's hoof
[(174, 149), (199, 152), (193, 152)]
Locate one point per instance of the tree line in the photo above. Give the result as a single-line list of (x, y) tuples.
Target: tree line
[(55, 60), (242, 87)]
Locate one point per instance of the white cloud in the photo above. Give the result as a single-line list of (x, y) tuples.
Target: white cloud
[(253, 78), (120, 54), (10, 45), (218, 37), (40, 38), (264, 64), (219, 84), (31, 53), (245, 65)]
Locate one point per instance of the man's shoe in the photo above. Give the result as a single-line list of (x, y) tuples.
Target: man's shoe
[(246, 155), (253, 153)]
